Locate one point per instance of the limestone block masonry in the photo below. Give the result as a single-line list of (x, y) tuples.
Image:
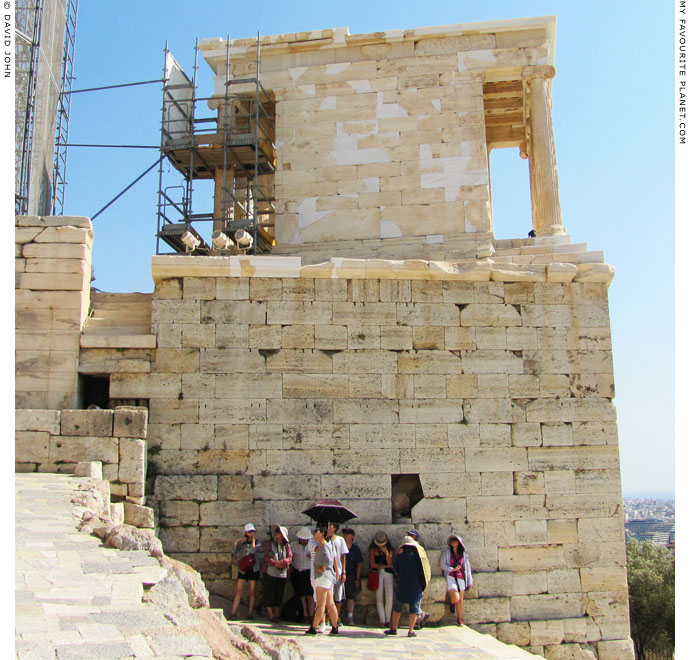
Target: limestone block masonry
[(53, 274), (272, 391), (58, 440)]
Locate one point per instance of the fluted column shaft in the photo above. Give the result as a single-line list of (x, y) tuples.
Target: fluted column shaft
[(543, 173)]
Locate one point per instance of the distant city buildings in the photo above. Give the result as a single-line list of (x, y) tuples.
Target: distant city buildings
[(650, 520)]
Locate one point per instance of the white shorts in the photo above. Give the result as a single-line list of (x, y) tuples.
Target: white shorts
[(453, 585), (324, 581)]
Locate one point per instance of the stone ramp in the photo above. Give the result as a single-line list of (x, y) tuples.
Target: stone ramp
[(76, 599), (119, 320)]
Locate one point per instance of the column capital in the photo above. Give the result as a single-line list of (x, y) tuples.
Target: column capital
[(538, 71)]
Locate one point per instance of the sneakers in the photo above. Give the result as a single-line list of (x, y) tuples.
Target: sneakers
[(311, 631), (390, 631), (421, 620), (334, 631), (412, 633)]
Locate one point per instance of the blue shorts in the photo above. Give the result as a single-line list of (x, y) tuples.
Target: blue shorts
[(414, 605)]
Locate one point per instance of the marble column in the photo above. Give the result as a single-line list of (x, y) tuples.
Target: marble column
[(543, 173)]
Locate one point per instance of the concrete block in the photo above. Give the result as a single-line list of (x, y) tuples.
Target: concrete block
[(529, 483), (86, 422), (517, 633), (173, 411), (491, 362), (365, 386), (562, 531), (329, 337)]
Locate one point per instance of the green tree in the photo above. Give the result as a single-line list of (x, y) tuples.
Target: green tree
[(651, 584)]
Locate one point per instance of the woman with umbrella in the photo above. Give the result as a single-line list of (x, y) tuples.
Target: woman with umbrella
[(326, 575)]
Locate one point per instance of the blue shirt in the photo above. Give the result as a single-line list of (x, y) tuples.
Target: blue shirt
[(408, 565)]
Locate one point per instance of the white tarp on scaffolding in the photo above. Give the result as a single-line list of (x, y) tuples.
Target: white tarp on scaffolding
[(178, 95)]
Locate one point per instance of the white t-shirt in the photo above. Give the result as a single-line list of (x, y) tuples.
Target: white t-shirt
[(340, 547)]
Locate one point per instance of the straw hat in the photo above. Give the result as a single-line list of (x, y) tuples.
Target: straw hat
[(380, 538)]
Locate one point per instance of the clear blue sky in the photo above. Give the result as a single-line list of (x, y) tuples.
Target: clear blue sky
[(614, 129)]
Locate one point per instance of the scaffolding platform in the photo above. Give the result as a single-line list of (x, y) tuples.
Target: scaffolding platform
[(235, 148)]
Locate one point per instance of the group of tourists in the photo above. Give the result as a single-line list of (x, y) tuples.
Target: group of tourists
[(325, 570)]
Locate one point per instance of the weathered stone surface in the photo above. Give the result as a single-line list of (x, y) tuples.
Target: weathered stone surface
[(86, 422), (138, 516), (37, 420), (32, 446), (186, 487), (130, 422)]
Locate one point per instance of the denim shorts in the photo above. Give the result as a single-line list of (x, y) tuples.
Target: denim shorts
[(414, 605)]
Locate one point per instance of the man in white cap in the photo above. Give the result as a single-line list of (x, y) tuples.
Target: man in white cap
[(299, 576)]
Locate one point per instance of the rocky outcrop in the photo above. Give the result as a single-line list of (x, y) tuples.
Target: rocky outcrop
[(178, 590)]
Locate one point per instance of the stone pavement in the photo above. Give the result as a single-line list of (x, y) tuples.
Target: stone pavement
[(77, 600), (431, 643), (74, 598)]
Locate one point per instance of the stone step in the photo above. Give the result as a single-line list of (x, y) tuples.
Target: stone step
[(116, 340)]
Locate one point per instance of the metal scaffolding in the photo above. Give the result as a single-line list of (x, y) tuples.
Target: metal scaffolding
[(45, 36), (235, 149)]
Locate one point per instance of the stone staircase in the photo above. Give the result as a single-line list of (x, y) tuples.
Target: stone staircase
[(118, 320)]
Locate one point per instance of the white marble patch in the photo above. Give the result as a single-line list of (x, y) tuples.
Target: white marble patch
[(360, 86), (372, 184), (390, 229), (338, 67), (307, 213), (296, 72)]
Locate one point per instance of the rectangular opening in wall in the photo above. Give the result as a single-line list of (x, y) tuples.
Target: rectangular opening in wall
[(406, 491), (94, 390), (510, 193)]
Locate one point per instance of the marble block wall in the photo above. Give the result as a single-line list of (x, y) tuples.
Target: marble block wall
[(53, 274), (267, 393), (382, 135)]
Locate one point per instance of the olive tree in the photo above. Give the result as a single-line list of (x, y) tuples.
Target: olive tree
[(651, 584)]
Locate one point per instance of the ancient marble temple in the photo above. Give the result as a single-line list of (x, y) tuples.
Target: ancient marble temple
[(391, 352)]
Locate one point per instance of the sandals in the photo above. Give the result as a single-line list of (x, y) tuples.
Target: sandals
[(460, 622), (411, 633)]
